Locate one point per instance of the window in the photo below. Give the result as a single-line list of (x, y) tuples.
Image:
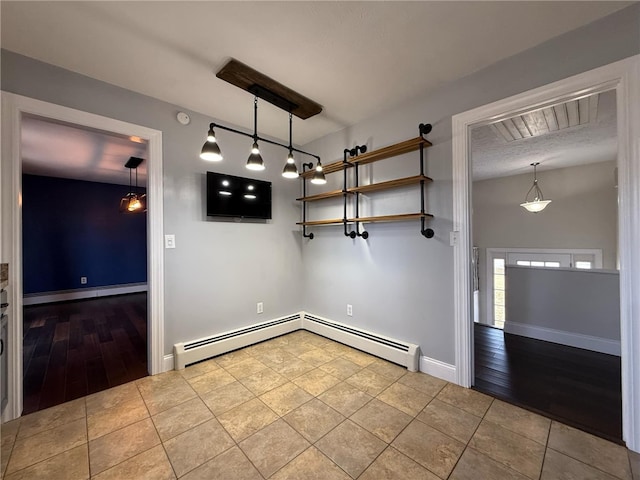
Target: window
[(583, 264), (498, 292)]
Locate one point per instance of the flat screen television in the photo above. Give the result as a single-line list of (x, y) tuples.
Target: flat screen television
[(230, 196)]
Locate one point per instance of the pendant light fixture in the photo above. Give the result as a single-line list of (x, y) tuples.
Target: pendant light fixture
[(255, 162), (210, 150), (290, 170), (318, 176), (537, 202), (133, 202)]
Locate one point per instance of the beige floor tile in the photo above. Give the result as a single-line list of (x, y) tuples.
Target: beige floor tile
[(404, 398), (311, 465), (152, 464), (163, 398), (52, 417), (114, 418), (263, 381), (225, 398), (634, 460), (450, 420), (393, 465), (8, 434), (527, 424), (245, 368), (509, 448), (247, 418), (474, 465), (316, 381), (369, 382), (317, 357), (230, 465), (341, 368), (475, 403), (70, 465), (293, 368), (285, 398), (273, 447), (35, 448), (181, 418), (351, 447), (277, 357), (430, 448), (387, 369), (599, 453), (381, 419), (198, 369), (361, 359), (336, 348), (345, 398), (558, 466), (423, 383), (160, 381), (314, 419), (112, 397), (211, 381), (231, 358), (298, 348), (116, 447), (196, 446)]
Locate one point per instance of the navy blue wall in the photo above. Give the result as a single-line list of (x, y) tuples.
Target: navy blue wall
[(72, 228)]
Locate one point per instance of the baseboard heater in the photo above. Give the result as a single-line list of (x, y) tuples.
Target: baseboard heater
[(402, 353)]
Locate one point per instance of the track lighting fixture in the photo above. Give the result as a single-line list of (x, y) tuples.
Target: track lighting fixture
[(255, 162), (318, 176), (537, 203), (133, 202), (210, 149)]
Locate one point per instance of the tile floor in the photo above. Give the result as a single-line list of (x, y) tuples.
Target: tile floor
[(300, 407)]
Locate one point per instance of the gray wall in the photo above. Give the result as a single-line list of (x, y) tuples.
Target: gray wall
[(219, 270), (583, 214), (398, 282), (575, 301)]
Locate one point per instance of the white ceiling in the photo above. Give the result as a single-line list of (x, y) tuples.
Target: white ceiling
[(354, 58), (592, 142)]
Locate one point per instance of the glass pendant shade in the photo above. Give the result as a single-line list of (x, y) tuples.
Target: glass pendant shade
[(534, 201), (318, 176), (130, 203), (290, 170)]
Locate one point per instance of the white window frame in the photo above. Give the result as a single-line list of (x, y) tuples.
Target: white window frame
[(494, 253)]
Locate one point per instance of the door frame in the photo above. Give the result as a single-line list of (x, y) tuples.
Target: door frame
[(13, 108), (623, 77)]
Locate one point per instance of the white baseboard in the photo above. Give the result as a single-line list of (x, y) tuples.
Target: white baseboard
[(167, 363), (596, 344), (439, 369), (38, 298)]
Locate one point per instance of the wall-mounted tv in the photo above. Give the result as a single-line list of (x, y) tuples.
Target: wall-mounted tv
[(230, 196)]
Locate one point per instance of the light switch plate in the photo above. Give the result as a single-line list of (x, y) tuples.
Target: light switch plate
[(169, 241)]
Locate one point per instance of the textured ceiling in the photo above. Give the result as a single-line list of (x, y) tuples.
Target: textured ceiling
[(594, 141), (354, 58)]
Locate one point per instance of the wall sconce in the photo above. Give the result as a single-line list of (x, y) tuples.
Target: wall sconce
[(132, 202), (537, 203)]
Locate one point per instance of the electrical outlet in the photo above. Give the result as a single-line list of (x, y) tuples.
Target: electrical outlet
[(349, 309), (260, 307), (169, 241), (83, 280)]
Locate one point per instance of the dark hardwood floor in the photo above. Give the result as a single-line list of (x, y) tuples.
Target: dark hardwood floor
[(72, 349), (578, 387)]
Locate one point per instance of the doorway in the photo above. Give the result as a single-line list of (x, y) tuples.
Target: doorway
[(624, 77), (14, 108)]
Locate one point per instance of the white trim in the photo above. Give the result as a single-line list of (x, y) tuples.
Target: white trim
[(624, 77), (578, 340), (439, 369), (168, 363), (13, 107), (63, 296)]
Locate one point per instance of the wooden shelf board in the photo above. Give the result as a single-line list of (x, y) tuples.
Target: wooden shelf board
[(328, 168), (391, 218), (400, 182), (333, 221), (321, 196), (390, 151)]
